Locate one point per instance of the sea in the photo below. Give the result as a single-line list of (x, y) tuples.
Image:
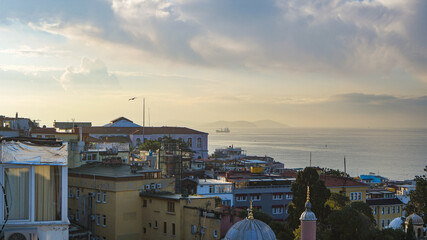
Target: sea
[(398, 154)]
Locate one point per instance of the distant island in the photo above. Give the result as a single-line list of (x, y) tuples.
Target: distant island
[(245, 124)]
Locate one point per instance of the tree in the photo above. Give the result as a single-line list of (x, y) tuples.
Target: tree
[(418, 203), (337, 201), (363, 208), (333, 172), (349, 223), (410, 233), (390, 234), (156, 144), (319, 194)]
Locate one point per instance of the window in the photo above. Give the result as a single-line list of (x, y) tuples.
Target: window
[(199, 142), (393, 210), (241, 198), (173, 229), (383, 223), (215, 233), (388, 210), (155, 224), (375, 210), (77, 215), (171, 207), (289, 196), (145, 230), (226, 202), (277, 210), (104, 220), (98, 218), (388, 222), (382, 211), (48, 184), (398, 209), (104, 197), (70, 192), (190, 142), (98, 196), (165, 225), (256, 197), (144, 203), (77, 193), (355, 196), (17, 187), (277, 196), (104, 238), (211, 189)]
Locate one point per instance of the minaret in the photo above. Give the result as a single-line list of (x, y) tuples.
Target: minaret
[(308, 221)]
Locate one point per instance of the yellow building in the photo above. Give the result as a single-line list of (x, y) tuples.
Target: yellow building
[(385, 206), (354, 190), (105, 199), (172, 216)]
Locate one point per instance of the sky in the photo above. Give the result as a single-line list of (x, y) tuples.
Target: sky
[(329, 63)]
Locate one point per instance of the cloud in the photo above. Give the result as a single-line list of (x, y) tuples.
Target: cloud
[(332, 36), (34, 52), (91, 74)]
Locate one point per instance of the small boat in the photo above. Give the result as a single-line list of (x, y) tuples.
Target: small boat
[(223, 130)]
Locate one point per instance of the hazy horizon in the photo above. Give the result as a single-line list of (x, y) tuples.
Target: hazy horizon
[(329, 64)]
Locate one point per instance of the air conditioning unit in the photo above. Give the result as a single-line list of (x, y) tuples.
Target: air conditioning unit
[(15, 234)]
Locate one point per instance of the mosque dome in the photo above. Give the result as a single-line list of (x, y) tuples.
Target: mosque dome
[(416, 220), (250, 229), (396, 223)]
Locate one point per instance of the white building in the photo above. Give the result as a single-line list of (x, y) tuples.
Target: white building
[(34, 175), (216, 188)]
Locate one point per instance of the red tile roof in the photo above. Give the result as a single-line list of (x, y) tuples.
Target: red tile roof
[(335, 181)]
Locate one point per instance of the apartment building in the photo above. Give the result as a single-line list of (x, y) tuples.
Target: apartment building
[(33, 173), (354, 190), (104, 198), (385, 206), (173, 216)]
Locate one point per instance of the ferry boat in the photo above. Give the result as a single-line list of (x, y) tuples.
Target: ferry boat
[(223, 130)]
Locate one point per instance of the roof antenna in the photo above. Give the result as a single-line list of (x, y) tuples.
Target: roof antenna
[(310, 159)]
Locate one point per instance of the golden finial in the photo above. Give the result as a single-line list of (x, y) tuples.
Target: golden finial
[(250, 214), (308, 193)]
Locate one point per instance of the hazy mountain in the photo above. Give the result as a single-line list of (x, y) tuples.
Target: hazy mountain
[(269, 124), (245, 124)]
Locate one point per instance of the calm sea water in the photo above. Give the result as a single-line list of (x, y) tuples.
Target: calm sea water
[(396, 154)]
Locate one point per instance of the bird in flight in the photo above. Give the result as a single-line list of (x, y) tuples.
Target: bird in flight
[(130, 99)]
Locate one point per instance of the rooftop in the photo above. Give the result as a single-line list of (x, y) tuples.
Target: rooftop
[(335, 181), (112, 171), (383, 201), (170, 196), (139, 130), (212, 181)]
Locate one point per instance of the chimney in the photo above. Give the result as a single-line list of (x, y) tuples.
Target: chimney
[(16, 116)]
